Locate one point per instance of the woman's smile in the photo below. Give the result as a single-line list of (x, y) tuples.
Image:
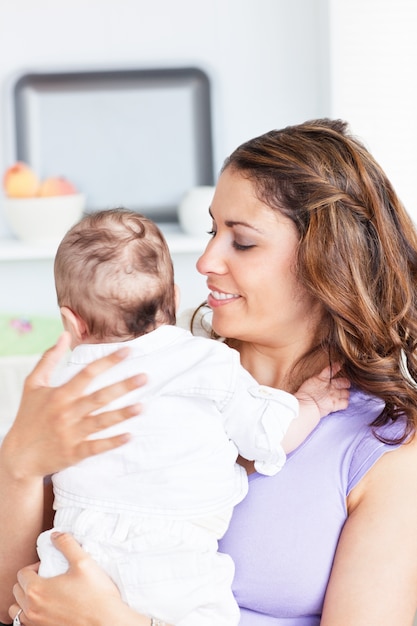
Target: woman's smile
[(219, 298)]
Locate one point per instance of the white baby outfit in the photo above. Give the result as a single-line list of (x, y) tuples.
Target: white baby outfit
[(151, 511)]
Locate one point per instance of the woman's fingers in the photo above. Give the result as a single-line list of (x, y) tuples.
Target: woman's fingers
[(80, 381), (85, 590), (32, 592), (53, 424), (25, 578), (100, 421), (42, 372), (101, 397), (70, 548)]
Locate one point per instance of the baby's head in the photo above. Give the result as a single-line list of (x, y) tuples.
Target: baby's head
[(114, 277)]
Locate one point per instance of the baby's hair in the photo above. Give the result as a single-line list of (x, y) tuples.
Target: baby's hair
[(114, 270)]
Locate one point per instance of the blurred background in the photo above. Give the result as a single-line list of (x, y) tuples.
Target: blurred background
[(270, 62)]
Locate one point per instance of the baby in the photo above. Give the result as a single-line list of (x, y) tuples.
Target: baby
[(151, 512)]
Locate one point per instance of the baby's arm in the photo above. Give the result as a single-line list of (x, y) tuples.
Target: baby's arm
[(318, 396)]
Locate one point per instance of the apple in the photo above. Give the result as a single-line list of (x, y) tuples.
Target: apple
[(20, 181), (56, 186)]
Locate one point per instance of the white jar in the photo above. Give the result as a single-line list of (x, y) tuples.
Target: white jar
[(193, 211)]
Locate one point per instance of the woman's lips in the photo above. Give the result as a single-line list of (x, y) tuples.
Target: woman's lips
[(218, 298)]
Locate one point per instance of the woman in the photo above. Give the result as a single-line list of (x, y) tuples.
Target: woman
[(312, 261)]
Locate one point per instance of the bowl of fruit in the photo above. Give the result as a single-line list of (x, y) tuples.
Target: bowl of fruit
[(39, 211)]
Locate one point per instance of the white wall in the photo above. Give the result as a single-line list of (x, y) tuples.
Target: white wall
[(270, 62), (374, 83), (266, 58)]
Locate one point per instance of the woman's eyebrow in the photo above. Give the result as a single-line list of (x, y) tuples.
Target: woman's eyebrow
[(231, 223)]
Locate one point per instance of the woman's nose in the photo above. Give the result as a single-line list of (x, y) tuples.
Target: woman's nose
[(210, 261), (202, 262)]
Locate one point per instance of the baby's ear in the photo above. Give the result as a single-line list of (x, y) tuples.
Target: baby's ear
[(74, 324), (177, 297)]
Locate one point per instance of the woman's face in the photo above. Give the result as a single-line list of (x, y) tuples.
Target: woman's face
[(249, 263)]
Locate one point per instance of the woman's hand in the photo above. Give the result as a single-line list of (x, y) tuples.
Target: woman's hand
[(51, 431), (53, 424), (83, 596)]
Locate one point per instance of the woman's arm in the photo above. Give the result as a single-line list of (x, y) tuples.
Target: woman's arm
[(374, 576), (49, 433), (83, 596)]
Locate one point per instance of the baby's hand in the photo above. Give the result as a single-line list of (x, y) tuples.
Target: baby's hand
[(327, 393), (317, 397)]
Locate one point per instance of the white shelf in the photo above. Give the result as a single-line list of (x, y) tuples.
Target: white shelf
[(15, 250), (178, 242)]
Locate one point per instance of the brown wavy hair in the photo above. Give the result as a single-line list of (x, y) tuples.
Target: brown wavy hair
[(357, 252)]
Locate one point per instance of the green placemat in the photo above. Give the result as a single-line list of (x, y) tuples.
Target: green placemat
[(21, 335)]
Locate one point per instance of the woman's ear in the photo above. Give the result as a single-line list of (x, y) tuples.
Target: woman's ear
[(74, 325)]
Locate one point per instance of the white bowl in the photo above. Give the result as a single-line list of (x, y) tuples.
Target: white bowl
[(43, 220)]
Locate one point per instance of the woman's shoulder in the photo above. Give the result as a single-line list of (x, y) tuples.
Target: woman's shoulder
[(396, 469), (356, 420), (351, 435)]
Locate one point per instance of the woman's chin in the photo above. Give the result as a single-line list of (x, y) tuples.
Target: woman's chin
[(223, 327)]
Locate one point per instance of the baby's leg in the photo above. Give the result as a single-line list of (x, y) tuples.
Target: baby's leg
[(181, 588)]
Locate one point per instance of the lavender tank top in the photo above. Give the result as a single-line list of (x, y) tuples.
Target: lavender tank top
[(283, 536)]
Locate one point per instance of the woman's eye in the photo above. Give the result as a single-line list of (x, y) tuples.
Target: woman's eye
[(241, 246), (236, 244)]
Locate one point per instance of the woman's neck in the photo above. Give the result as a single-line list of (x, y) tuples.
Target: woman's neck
[(276, 366)]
